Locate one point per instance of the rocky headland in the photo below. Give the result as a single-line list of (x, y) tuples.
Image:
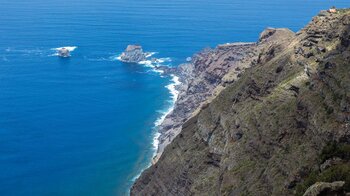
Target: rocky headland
[(210, 71), (264, 118)]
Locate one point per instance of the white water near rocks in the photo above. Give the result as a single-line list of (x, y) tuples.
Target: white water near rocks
[(69, 48), (175, 81)]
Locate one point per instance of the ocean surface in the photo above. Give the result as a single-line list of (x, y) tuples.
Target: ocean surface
[(85, 125)]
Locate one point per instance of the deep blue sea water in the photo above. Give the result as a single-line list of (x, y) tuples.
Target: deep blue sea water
[(85, 125)]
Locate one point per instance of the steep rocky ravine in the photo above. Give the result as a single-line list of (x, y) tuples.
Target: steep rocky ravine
[(264, 133)]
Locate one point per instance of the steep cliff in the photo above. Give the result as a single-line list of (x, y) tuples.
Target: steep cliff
[(210, 71), (266, 132)]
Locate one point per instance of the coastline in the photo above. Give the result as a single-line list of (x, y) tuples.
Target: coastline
[(172, 87), (174, 93), (197, 84), (206, 75), (247, 138), (187, 94), (157, 66)]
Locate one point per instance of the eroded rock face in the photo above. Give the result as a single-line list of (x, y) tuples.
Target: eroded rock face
[(326, 188), (199, 79), (330, 162), (210, 71), (63, 52), (268, 32), (133, 54), (267, 126)]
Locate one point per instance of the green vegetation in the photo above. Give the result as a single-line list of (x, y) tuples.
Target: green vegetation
[(339, 172), (343, 11), (334, 149)]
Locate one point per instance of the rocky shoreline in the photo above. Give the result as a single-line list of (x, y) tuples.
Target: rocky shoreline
[(264, 118), (208, 72), (197, 84)]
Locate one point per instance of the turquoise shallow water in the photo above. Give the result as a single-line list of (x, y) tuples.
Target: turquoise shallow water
[(85, 125)]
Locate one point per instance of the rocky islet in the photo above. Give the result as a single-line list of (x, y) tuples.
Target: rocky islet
[(133, 54)]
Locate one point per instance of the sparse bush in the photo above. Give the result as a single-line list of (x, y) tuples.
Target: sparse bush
[(334, 149), (340, 172)]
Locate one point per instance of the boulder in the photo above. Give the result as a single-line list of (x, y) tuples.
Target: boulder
[(133, 54)]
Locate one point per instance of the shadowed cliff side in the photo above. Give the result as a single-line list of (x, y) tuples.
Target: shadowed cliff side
[(265, 132)]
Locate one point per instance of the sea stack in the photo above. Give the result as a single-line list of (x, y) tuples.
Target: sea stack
[(133, 54), (63, 52)]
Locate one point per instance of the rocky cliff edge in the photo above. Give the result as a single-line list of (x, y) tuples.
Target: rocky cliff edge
[(271, 130)]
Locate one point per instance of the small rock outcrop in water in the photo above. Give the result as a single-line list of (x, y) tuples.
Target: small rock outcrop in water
[(264, 131), (63, 52), (133, 54)]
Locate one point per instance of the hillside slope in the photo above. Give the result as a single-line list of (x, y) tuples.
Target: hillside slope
[(265, 133), (209, 72)]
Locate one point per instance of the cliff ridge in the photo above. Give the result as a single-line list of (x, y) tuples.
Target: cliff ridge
[(273, 119)]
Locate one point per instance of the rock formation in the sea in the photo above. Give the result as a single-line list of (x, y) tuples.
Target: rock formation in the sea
[(133, 54), (63, 52), (273, 117)]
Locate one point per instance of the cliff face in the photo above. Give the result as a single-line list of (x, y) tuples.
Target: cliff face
[(212, 70), (265, 130), (199, 79)]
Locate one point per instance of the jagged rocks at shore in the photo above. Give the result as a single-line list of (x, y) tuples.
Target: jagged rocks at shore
[(133, 54), (259, 131)]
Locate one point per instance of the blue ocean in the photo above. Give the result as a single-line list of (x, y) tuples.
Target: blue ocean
[(85, 125)]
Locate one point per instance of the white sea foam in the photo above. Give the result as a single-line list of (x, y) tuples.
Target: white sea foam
[(147, 63), (116, 58), (150, 54), (163, 60), (153, 64), (69, 48), (155, 142), (174, 95), (150, 63), (172, 87)]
